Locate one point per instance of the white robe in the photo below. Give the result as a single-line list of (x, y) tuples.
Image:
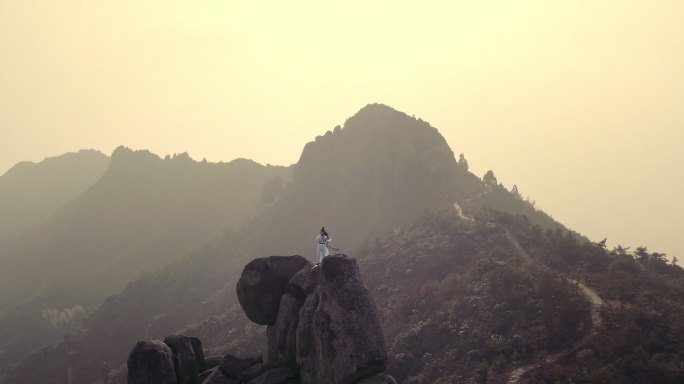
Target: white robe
[(322, 247)]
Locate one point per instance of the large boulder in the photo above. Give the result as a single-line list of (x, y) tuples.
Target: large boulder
[(151, 362), (263, 283), (185, 359), (339, 337), (282, 336)]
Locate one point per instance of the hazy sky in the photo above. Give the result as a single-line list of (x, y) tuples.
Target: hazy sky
[(579, 103)]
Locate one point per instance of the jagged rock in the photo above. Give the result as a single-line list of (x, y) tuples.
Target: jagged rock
[(282, 337), (151, 362), (381, 378), (263, 283), (275, 376), (339, 338), (185, 361), (217, 377), (307, 348), (233, 366), (303, 282)]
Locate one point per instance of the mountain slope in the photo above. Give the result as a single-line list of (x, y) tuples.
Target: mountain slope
[(30, 193), (378, 172), (381, 171), (142, 214)]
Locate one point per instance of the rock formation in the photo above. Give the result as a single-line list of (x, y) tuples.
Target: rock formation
[(263, 282), (151, 362), (188, 357), (322, 329), (339, 337)]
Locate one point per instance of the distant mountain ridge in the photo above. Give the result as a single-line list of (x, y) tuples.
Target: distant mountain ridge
[(143, 213), (31, 192), (378, 173)]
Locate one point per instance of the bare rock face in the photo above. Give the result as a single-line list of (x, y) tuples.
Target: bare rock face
[(307, 347), (304, 282), (151, 362), (186, 362), (339, 337), (282, 336), (263, 283)]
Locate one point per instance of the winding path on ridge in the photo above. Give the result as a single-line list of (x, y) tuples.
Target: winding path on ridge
[(596, 303), (593, 297)]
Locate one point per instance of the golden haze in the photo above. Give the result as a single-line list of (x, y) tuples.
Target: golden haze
[(578, 103)]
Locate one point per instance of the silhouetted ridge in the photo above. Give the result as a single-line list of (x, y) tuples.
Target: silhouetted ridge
[(378, 172), (31, 192), (377, 134), (124, 157), (381, 116), (142, 213), (376, 175)]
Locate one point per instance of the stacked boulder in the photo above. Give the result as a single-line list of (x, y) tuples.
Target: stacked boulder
[(176, 360), (322, 329)]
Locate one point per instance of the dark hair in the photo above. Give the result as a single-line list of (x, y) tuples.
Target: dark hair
[(324, 232)]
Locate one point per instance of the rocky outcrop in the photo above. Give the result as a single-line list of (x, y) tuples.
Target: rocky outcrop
[(282, 336), (339, 338), (151, 362), (322, 322), (304, 282), (188, 357), (263, 283)]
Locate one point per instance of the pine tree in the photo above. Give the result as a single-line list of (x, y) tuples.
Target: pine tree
[(463, 163), (489, 178)]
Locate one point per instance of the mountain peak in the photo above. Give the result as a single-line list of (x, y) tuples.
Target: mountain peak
[(375, 133), (390, 165), (377, 109), (123, 153), (381, 115)]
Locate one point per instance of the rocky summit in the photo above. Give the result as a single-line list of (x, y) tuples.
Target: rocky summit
[(323, 328)]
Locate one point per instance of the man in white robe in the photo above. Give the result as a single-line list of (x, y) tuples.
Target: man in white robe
[(322, 241)]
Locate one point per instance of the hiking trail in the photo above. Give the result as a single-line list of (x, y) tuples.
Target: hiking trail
[(591, 295)]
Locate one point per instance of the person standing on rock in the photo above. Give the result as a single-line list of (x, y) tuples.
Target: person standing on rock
[(322, 241)]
